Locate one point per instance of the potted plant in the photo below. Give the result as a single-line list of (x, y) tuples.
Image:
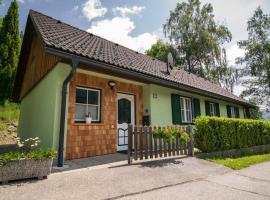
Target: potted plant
[(27, 161), (88, 118)]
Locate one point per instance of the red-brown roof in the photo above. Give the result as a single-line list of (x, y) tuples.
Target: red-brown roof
[(70, 39)]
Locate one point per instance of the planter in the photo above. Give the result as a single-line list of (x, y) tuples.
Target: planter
[(22, 169), (88, 120)]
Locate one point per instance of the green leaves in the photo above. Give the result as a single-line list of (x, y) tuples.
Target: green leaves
[(9, 50), (36, 155), (217, 134), (198, 39), (257, 57), (171, 134), (160, 50)]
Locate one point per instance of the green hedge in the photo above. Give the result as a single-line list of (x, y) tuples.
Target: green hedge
[(217, 133)]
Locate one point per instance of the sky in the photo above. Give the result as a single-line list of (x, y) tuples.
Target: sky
[(137, 24)]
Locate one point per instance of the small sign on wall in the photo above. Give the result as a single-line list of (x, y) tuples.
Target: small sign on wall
[(155, 96)]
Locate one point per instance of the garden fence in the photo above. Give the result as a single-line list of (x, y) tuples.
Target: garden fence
[(142, 143)]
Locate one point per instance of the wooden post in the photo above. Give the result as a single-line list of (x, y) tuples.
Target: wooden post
[(141, 142), (151, 142), (130, 143), (145, 131), (135, 143), (191, 144)]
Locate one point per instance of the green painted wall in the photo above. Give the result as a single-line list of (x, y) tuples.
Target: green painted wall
[(160, 107), (40, 109)]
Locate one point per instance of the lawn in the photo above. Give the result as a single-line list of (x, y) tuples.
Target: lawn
[(242, 161)]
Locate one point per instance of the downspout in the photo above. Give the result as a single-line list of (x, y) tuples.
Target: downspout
[(60, 160)]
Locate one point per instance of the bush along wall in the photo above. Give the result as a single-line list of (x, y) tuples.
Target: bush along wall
[(218, 134)]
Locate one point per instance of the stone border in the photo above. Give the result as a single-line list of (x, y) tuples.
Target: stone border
[(235, 152)]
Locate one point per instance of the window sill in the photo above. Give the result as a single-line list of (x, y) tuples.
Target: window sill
[(84, 124)]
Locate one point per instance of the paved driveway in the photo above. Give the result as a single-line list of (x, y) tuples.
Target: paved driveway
[(175, 179)]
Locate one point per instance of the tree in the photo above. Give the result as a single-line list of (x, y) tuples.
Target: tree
[(198, 39), (255, 113), (9, 50), (257, 58), (160, 51), (230, 78)]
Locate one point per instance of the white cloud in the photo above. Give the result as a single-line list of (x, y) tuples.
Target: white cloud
[(92, 9), (118, 29), (128, 10), (20, 1), (234, 52)]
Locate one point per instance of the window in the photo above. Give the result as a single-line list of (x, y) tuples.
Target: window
[(212, 108), (186, 110), (233, 113), (87, 101)]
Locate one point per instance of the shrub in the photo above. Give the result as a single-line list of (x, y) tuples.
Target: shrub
[(170, 134), (217, 133), (21, 155)]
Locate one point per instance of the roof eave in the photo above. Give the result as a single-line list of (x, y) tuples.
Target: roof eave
[(143, 77)]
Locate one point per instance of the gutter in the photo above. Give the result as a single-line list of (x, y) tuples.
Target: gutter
[(144, 77), (60, 160)]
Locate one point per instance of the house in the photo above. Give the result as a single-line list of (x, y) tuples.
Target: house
[(65, 73)]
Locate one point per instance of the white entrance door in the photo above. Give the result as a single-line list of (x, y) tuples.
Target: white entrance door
[(125, 116)]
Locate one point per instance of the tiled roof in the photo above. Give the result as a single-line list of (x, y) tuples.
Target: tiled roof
[(65, 37)]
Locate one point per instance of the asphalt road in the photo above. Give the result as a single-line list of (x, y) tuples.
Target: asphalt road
[(187, 178)]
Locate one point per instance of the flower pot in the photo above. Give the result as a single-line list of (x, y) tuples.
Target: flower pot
[(88, 120), (22, 169)]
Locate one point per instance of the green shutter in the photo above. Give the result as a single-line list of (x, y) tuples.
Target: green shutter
[(237, 112), (176, 109), (217, 109), (229, 111), (197, 107), (207, 108)]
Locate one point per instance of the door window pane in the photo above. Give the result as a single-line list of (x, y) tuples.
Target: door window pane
[(124, 111)]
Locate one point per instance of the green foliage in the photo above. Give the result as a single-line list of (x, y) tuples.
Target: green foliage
[(257, 57), (242, 161), (218, 134), (160, 50), (36, 155), (198, 39), (171, 134), (9, 112), (9, 50), (255, 113)]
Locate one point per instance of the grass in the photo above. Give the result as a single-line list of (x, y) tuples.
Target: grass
[(9, 112), (242, 161)]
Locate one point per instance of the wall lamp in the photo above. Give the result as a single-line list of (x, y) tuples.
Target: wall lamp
[(111, 84)]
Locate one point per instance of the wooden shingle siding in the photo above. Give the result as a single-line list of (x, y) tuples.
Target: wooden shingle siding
[(84, 140), (38, 65)]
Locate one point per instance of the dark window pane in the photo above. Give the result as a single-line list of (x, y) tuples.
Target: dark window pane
[(124, 111), (81, 96), (93, 97)]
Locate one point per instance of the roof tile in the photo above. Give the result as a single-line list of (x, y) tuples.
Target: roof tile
[(66, 37)]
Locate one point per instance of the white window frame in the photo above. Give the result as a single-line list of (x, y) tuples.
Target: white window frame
[(212, 109), (98, 106), (184, 109)]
